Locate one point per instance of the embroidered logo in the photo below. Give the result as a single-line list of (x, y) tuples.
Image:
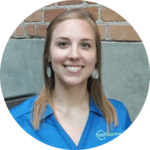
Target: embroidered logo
[(101, 135)]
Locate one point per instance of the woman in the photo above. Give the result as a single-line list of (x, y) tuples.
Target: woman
[(72, 111)]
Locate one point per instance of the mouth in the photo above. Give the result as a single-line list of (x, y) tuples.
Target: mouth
[(73, 68)]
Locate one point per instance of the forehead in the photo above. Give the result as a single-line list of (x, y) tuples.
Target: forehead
[(74, 27)]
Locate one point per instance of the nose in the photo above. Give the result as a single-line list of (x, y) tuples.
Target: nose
[(74, 52)]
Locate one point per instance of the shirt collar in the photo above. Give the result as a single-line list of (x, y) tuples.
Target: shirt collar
[(93, 108), (48, 111)]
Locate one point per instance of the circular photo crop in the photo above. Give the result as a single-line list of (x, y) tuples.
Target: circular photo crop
[(75, 75)]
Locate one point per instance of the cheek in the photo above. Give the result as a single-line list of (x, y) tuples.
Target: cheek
[(55, 62), (91, 59), (56, 59), (57, 56)]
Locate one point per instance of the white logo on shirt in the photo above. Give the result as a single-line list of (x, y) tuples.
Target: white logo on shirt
[(101, 135)]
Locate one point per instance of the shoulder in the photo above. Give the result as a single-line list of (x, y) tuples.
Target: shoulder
[(117, 104), (122, 113), (23, 108)]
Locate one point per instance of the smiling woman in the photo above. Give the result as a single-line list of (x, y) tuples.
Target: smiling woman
[(72, 59), (72, 112)]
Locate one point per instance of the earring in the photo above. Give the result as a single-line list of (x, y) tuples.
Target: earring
[(95, 74), (49, 71)]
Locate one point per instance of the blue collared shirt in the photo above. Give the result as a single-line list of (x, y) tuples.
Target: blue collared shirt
[(51, 132)]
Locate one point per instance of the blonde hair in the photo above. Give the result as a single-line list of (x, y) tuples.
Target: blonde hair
[(94, 86)]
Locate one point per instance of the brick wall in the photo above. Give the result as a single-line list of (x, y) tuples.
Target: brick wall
[(111, 25)]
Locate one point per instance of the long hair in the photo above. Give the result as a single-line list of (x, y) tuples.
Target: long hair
[(94, 86)]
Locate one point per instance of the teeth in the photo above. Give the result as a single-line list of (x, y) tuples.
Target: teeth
[(74, 69)]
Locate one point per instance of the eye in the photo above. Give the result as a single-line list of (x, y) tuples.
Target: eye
[(63, 44), (85, 45)]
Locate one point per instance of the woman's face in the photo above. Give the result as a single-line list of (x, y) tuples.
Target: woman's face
[(73, 52)]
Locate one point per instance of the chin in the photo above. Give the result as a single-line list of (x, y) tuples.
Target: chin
[(72, 81), (76, 82)]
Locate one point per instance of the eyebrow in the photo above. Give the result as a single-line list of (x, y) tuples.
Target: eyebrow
[(65, 38)]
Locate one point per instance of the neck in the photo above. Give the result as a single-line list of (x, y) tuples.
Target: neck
[(70, 96)]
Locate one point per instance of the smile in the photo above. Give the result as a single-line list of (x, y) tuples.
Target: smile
[(73, 68)]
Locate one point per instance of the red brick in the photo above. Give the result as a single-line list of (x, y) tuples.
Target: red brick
[(109, 15), (92, 10), (90, 2), (102, 30), (35, 17), (123, 32), (30, 30), (49, 15), (41, 30), (20, 31), (70, 2), (50, 5)]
